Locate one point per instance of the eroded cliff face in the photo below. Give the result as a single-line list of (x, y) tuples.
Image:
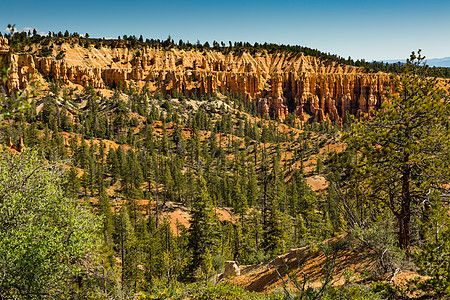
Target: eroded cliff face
[(277, 83)]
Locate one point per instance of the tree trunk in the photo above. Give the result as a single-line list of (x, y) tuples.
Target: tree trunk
[(405, 211), (404, 231)]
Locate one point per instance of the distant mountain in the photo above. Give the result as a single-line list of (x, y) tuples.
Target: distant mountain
[(439, 62), (432, 62)]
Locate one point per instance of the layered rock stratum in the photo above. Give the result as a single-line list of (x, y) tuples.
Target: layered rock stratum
[(276, 82)]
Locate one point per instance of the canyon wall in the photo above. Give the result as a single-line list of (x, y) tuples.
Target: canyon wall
[(277, 83)]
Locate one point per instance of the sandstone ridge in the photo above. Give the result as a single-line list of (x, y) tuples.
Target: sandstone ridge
[(276, 83)]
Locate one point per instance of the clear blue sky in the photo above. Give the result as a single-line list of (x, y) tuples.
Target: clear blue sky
[(375, 29)]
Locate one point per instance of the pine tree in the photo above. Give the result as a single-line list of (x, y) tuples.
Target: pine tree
[(252, 188), (164, 143), (152, 251), (134, 173), (73, 183), (403, 147), (273, 234), (202, 230), (82, 154), (128, 254), (107, 249), (433, 255), (84, 181), (240, 204), (104, 209)]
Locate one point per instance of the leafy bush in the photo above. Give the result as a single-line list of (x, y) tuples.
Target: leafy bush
[(226, 291), (387, 291), (355, 292), (199, 291), (380, 238), (46, 240)]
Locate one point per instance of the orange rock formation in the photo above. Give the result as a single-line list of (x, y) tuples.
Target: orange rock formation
[(277, 83)]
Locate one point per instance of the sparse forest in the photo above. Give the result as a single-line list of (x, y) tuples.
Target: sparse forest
[(87, 208)]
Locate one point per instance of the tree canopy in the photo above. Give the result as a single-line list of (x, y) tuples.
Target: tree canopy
[(399, 154), (46, 240)]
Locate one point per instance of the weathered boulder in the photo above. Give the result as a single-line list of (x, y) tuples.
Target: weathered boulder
[(231, 269)]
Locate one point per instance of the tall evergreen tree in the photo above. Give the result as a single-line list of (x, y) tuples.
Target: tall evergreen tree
[(129, 254), (403, 148), (202, 231)]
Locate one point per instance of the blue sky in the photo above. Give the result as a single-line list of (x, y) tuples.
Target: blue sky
[(371, 30)]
